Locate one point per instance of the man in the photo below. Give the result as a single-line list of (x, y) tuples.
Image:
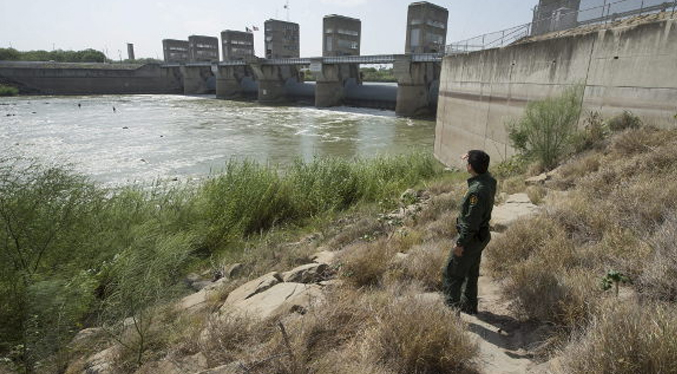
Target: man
[(472, 224)]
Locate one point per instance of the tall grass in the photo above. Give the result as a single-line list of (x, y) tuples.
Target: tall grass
[(116, 253)]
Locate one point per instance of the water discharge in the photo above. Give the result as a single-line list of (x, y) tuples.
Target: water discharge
[(151, 137)]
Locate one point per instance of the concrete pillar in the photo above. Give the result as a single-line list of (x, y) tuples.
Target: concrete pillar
[(195, 79), (272, 80), (415, 85), (330, 82), (229, 81)]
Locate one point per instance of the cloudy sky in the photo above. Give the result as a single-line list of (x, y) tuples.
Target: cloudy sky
[(109, 25)]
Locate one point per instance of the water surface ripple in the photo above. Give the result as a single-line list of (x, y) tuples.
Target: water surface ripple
[(152, 137)]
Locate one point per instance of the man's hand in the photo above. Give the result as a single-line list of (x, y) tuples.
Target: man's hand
[(458, 251)]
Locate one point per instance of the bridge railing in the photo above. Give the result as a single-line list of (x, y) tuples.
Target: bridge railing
[(564, 19), (365, 60)]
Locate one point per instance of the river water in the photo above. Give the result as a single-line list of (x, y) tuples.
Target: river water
[(150, 137)]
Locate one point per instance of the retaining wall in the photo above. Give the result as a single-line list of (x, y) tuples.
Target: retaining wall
[(68, 79), (625, 68)]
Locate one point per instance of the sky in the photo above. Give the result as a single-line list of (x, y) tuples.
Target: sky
[(109, 25)]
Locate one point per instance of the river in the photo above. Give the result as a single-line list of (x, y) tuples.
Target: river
[(150, 137)]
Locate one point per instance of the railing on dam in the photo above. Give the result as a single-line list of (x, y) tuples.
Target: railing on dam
[(365, 60), (564, 19)]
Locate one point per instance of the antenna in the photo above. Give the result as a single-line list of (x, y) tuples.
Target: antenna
[(286, 6)]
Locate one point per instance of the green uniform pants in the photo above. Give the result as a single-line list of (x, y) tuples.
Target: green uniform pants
[(461, 274)]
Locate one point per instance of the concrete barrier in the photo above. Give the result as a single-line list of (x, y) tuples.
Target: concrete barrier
[(93, 79)]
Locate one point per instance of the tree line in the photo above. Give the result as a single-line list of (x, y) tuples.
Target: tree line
[(87, 55)]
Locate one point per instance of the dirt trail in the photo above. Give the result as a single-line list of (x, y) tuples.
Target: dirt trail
[(505, 343)]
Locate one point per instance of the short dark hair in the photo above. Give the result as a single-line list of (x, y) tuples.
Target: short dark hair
[(479, 160)]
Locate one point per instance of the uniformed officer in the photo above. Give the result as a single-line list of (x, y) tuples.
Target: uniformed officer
[(463, 266)]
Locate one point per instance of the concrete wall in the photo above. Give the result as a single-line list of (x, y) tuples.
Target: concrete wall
[(66, 79), (628, 68)]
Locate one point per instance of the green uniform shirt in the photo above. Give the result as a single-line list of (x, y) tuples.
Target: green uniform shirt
[(473, 219)]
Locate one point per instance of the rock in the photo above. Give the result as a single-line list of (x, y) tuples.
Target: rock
[(198, 300), (309, 273), (254, 287), (102, 362), (279, 299), (324, 257), (83, 336), (539, 179), (192, 277), (234, 270), (190, 364), (515, 207), (197, 286), (332, 283)]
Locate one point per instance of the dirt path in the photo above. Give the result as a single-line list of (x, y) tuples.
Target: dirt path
[(505, 343)]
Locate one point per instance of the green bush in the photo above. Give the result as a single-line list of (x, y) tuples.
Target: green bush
[(623, 121), (8, 90), (545, 131)]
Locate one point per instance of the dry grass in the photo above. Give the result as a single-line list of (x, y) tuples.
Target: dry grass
[(439, 206), (363, 265), (519, 243), (388, 331), (618, 216), (227, 337), (626, 338), (536, 194), (442, 228), (419, 336), (368, 227), (658, 280), (423, 265)]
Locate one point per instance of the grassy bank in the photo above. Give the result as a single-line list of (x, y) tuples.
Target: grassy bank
[(8, 90), (92, 256)]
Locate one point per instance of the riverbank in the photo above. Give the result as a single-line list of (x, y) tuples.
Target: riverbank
[(93, 256)]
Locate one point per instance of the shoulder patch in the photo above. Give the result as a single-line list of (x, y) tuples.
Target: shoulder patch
[(473, 199)]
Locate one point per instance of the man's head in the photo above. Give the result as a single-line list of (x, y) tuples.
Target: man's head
[(478, 161)]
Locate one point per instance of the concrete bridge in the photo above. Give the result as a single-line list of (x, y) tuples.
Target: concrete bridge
[(338, 80)]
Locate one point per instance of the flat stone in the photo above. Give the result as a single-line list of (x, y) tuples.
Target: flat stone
[(197, 300), (279, 299), (309, 273), (193, 300), (324, 257), (198, 285), (516, 206), (539, 179), (102, 362), (84, 335), (254, 287), (234, 270)]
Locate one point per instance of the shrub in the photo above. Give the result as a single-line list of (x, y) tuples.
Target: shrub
[(593, 132), (8, 90), (624, 121), (625, 338), (545, 132)]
